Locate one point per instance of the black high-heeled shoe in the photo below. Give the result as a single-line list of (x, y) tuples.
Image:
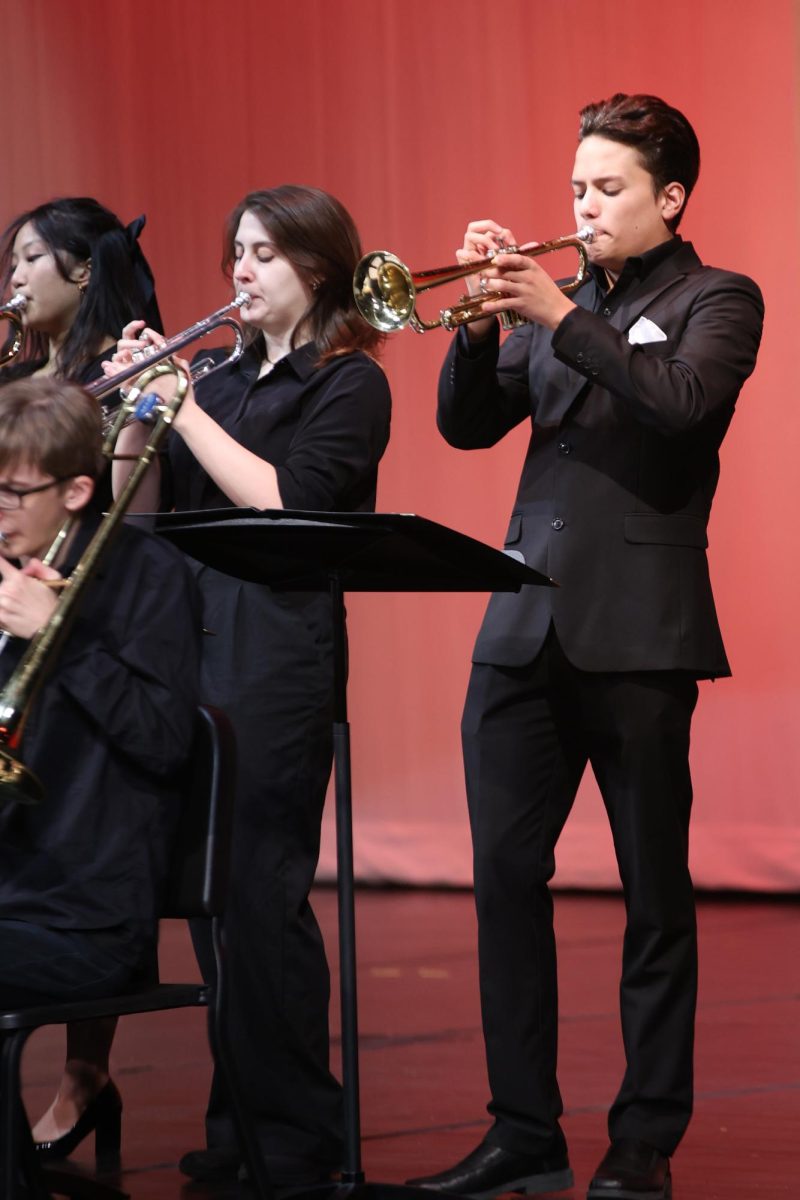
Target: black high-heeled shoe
[(103, 1114)]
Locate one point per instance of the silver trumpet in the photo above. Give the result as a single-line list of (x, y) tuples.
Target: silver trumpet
[(150, 355)]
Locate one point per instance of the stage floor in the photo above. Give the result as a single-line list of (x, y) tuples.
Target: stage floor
[(423, 1084)]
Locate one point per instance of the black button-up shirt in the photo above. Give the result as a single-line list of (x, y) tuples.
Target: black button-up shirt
[(324, 429), (107, 735)]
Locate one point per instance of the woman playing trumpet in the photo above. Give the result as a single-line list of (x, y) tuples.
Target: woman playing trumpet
[(83, 277), (300, 422)]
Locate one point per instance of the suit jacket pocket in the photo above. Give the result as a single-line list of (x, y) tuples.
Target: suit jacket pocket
[(514, 529), (676, 530)]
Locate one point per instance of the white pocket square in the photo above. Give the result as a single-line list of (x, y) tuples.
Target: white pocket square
[(644, 331)]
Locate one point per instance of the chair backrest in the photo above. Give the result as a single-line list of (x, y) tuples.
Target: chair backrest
[(197, 880)]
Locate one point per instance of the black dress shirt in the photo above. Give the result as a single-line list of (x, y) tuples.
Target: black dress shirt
[(324, 429), (107, 736)]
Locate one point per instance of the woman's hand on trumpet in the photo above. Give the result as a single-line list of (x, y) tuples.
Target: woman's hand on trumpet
[(136, 339), (134, 344)]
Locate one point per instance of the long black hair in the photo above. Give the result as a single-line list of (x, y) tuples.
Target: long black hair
[(120, 288)]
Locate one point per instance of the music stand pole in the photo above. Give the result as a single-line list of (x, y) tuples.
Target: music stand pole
[(352, 1172)]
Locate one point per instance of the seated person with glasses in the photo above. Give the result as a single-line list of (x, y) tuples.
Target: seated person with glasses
[(107, 733)]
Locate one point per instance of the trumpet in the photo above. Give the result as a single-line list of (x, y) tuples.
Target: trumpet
[(17, 781), (12, 311), (386, 291), (150, 355)]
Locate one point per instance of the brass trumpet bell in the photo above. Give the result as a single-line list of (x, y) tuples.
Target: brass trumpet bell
[(12, 312), (385, 290)]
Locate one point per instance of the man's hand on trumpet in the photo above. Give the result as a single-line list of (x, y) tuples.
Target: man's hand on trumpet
[(481, 239), (526, 287)]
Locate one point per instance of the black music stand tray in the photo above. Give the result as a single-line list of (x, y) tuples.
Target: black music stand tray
[(338, 552)]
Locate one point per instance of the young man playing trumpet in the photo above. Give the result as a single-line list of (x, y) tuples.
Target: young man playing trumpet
[(629, 386), (106, 733)]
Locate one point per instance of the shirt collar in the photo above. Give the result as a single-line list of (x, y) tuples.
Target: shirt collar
[(638, 266), (302, 361)]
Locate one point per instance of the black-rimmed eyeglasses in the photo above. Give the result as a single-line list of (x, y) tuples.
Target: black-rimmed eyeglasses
[(12, 497)]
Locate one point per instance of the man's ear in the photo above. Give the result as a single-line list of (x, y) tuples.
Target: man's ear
[(78, 491), (673, 197)]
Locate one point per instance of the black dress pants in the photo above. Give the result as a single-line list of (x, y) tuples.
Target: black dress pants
[(42, 965), (269, 666), (528, 733)]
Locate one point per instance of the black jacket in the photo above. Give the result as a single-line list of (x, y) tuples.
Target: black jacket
[(617, 484), (107, 735)]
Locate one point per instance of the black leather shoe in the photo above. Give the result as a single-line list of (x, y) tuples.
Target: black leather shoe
[(631, 1170), (211, 1166), (490, 1171)]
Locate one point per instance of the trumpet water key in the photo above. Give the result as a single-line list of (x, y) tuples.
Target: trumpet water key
[(386, 291)]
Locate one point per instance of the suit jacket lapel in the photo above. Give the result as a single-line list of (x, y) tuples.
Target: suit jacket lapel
[(639, 296), (558, 386)]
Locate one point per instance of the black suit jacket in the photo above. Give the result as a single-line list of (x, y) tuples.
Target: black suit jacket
[(622, 464)]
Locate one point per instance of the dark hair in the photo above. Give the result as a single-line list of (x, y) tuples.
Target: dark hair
[(120, 286), (53, 425), (663, 138), (317, 235)]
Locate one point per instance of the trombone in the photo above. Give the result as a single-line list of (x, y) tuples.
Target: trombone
[(386, 291), (12, 311), (17, 781)]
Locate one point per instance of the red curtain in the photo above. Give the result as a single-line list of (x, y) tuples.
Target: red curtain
[(421, 115)]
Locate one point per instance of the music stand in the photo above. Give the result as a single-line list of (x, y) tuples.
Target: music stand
[(338, 552)]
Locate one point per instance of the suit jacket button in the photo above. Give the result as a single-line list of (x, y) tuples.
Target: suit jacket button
[(565, 447), (606, 312), (557, 523)]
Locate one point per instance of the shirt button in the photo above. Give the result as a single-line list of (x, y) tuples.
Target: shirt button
[(579, 356), (565, 447), (557, 523)]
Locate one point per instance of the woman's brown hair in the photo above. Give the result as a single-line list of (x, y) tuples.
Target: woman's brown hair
[(317, 235)]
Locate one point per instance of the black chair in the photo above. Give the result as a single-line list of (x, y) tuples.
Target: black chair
[(196, 887)]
